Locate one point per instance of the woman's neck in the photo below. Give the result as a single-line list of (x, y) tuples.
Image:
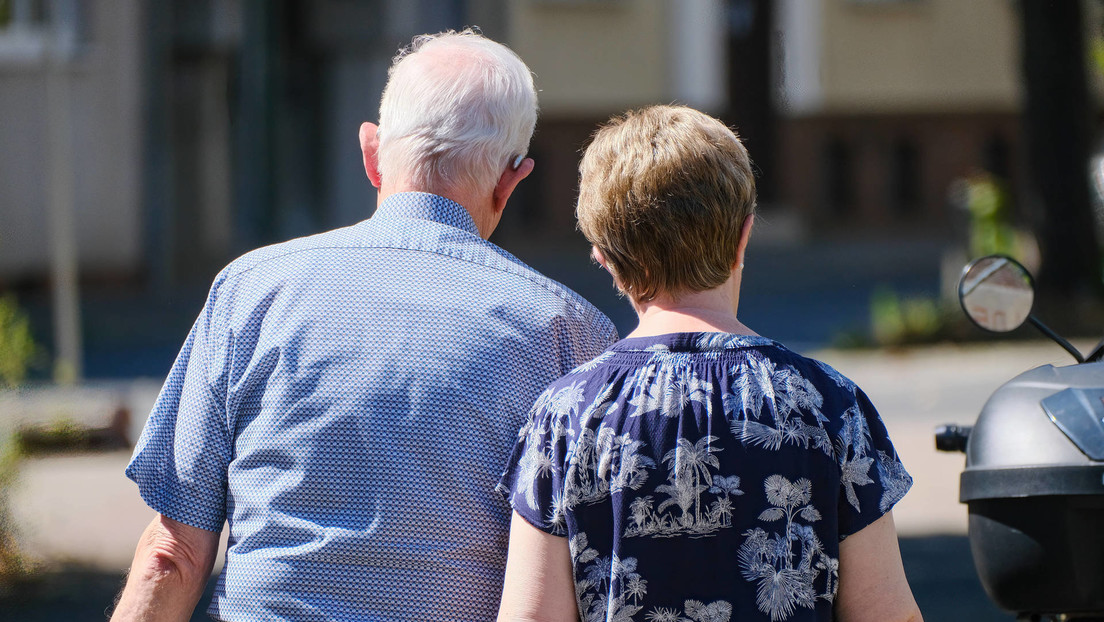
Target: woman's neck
[(709, 311)]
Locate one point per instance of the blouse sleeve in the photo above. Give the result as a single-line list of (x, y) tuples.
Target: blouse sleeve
[(872, 478), (533, 480)]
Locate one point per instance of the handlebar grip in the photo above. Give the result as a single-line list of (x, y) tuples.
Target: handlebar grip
[(952, 437)]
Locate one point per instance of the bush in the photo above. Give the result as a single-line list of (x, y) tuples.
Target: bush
[(13, 565), (900, 321), (17, 346), (896, 321), (17, 350)]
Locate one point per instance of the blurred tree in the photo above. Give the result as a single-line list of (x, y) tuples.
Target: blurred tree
[(17, 347), (991, 230), (1058, 130)]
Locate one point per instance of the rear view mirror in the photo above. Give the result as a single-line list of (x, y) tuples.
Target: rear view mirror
[(996, 293)]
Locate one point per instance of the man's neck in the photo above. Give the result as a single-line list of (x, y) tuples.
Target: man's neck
[(480, 208)]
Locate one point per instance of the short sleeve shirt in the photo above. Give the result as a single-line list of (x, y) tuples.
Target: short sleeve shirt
[(704, 476), (345, 401)]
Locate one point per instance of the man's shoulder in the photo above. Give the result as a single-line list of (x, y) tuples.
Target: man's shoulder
[(502, 260), (332, 239), (258, 271)]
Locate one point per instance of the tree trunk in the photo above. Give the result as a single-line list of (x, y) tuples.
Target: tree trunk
[(1058, 134)]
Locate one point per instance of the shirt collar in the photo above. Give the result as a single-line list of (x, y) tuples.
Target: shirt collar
[(426, 206), (690, 342)]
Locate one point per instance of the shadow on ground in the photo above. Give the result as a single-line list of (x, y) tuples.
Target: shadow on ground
[(939, 568), (73, 594), (941, 573)]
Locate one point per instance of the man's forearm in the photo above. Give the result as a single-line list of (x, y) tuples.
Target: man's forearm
[(171, 566)]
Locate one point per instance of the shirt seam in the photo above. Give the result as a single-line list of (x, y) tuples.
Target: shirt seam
[(561, 292)]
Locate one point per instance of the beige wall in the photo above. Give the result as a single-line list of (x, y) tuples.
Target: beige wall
[(924, 55), (593, 57)]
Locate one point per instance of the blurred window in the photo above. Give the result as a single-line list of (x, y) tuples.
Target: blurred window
[(904, 177), (996, 156), (839, 176), (29, 29), (22, 14)]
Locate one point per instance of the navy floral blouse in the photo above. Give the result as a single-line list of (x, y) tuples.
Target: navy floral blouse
[(704, 477)]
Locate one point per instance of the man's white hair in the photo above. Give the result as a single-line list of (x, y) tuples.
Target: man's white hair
[(457, 110)]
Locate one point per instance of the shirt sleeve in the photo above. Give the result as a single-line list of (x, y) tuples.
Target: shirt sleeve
[(181, 459), (872, 477), (533, 480)]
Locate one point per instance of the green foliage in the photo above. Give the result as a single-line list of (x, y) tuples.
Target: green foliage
[(17, 346), (17, 350), (1096, 52), (991, 230), (896, 321), (13, 565), (62, 434)]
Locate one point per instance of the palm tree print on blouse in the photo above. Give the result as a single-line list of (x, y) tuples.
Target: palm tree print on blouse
[(787, 395), (679, 444), (690, 474), (609, 589), (537, 460), (667, 385), (852, 446), (601, 463), (895, 480), (787, 577)]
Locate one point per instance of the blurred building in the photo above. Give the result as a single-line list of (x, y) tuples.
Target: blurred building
[(884, 103), (82, 61), (195, 129), (192, 130)]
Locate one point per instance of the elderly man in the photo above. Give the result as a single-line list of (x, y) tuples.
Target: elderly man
[(346, 401)]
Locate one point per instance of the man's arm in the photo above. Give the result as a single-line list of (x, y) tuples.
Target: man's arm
[(872, 584), (538, 586), (170, 569)]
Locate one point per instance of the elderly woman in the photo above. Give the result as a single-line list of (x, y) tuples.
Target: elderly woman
[(695, 470)]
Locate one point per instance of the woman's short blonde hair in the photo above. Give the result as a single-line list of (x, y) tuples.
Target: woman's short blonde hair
[(664, 192)]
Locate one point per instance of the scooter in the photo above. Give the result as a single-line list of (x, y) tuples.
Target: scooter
[(1034, 476)]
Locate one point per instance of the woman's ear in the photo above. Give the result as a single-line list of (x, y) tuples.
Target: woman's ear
[(745, 235), (600, 258)]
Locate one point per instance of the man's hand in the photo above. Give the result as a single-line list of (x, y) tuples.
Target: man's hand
[(171, 566)]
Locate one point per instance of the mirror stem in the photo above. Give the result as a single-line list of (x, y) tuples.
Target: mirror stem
[(1043, 328), (1096, 353)]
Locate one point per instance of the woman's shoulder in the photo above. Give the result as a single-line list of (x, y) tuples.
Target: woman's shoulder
[(827, 372), (813, 369)]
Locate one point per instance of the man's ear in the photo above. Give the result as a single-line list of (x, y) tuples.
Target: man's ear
[(509, 180), (369, 146)]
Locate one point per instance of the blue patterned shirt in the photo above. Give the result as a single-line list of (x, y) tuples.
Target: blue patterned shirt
[(346, 402), (704, 476)]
